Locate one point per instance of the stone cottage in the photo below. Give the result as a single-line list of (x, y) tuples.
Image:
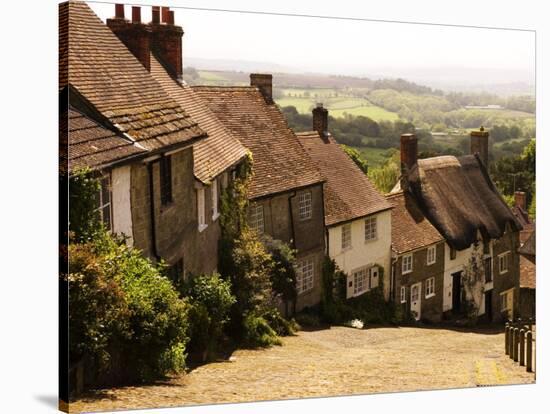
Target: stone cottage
[(357, 217), (286, 191), (458, 197)]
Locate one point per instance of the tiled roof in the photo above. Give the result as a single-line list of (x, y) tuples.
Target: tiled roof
[(104, 71), (527, 273), (459, 198), (349, 194), (220, 150), (280, 163), (90, 144), (529, 248), (410, 230)]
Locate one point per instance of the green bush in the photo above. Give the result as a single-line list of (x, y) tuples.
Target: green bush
[(280, 325), (84, 220), (211, 301), (121, 301), (258, 333)]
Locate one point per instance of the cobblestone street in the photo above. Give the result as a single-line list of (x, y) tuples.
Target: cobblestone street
[(336, 361)]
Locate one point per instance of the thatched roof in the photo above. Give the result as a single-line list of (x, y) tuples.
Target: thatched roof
[(459, 198)]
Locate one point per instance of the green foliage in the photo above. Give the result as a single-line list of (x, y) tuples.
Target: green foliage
[(283, 272), (211, 300), (280, 325), (121, 303), (356, 157), (84, 221), (384, 178), (258, 333)]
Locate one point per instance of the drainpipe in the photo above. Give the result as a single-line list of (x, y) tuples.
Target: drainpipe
[(292, 219), (393, 271), (152, 211)]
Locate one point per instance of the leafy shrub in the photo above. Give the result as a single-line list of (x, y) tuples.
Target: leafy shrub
[(211, 301), (84, 220), (307, 319), (258, 333), (280, 325)]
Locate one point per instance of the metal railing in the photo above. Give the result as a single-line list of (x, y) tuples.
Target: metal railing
[(519, 342)]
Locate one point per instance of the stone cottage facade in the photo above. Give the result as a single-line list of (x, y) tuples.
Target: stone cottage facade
[(286, 191), (357, 217)]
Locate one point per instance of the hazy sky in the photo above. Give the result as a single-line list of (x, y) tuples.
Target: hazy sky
[(353, 47)]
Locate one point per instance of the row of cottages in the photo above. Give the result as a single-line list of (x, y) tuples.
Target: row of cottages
[(445, 208), (357, 217), (161, 169)]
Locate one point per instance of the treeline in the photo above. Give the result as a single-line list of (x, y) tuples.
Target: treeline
[(517, 103)]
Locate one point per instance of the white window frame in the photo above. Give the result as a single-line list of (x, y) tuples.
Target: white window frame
[(415, 292), (371, 229), (102, 204), (215, 199), (305, 205), (360, 281), (305, 275), (403, 294), (256, 217), (201, 213), (507, 298), (504, 263), (346, 237), (431, 255), (429, 287), (407, 264)]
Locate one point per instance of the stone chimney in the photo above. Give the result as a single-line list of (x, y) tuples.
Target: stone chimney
[(166, 40), (409, 152), (134, 34), (320, 120), (479, 144), (264, 82), (520, 200)]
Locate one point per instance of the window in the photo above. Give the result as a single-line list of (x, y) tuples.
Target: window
[(200, 209), (431, 255), (415, 294), (214, 189), (503, 262), (430, 287), (256, 217), (360, 281), (403, 294), (104, 201), (165, 180), (507, 301), (346, 236), (407, 264), (370, 228), (304, 205), (452, 254), (304, 275)]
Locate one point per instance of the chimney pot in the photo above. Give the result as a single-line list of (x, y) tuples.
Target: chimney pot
[(119, 11), (264, 82), (320, 120), (156, 15), (136, 14), (171, 17), (409, 151), (479, 144), (520, 200), (164, 14)]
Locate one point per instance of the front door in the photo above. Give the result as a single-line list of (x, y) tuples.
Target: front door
[(456, 291), (489, 305), (415, 300)]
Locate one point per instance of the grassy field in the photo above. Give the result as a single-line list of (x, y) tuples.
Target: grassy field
[(374, 156)]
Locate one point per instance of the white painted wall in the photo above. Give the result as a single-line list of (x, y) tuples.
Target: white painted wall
[(363, 253), (120, 193)]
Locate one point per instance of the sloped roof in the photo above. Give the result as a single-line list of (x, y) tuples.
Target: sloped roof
[(100, 67), (280, 163), (521, 215), (220, 150), (349, 194), (410, 229), (90, 144), (529, 248), (527, 273), (459, 198)]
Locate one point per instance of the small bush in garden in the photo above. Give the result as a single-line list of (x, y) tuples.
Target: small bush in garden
[(280, 325), (211, 301), (308, 320), (258, 333)]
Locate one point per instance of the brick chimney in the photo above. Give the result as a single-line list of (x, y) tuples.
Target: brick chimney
[(320, 120), (166, 40), (264, 82), (479, 144), (520, 200), (134, 34), (409, 152)]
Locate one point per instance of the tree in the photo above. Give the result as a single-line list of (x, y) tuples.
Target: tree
[(356, 157)]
